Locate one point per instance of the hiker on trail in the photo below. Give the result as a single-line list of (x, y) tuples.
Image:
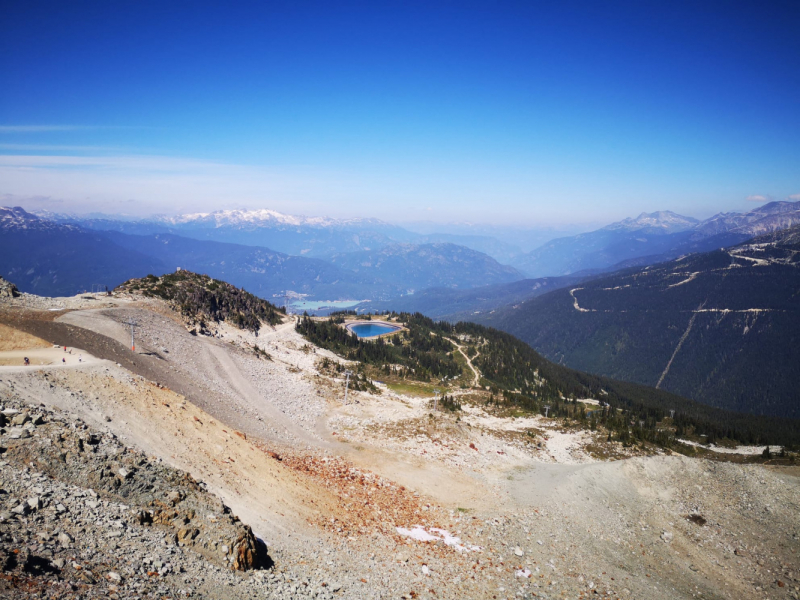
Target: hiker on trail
[(63, 360), (27, 362)]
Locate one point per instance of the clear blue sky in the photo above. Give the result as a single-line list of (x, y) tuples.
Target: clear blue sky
[(526, 113)]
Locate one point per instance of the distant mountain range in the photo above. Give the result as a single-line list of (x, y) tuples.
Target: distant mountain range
[(260, 271), (652, 238), (298, 236), (721, 327), (52, 258), (416, 267), (646, 239), (319, 237), (465, 304)]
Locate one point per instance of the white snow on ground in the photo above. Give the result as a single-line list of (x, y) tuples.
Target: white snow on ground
[(436, 535), (749, 450)]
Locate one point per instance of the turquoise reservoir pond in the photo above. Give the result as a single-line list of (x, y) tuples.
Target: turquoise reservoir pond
[(368, 330)]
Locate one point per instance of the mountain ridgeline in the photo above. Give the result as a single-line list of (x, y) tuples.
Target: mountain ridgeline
[(720, 327), (62, 259), (415, 267), (53, 259), (200, 299), (522, 379), (652, 238)]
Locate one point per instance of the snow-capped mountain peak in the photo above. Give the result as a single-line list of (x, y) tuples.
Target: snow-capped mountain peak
[(665, 220), (261, 218), (18, 218)]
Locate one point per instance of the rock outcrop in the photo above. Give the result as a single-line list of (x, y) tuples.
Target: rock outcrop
[(8, 289), (81, 514)]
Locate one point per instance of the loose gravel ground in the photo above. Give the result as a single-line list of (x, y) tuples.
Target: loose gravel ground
[(343, 494)]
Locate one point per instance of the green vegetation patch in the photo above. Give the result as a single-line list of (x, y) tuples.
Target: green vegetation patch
[(200, 299), (415, 353)]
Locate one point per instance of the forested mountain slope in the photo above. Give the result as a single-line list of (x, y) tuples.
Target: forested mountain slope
[(520, 378), (51, 259), (261, 271), (420, 266), (462, 305), (721, 327)]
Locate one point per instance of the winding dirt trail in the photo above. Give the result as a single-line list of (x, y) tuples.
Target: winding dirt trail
[(477, 376)]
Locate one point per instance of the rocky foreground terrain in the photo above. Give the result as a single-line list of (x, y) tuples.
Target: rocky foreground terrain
[(84, 516), (199, 467)]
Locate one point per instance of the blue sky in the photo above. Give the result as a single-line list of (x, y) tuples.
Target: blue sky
[(522, 113)]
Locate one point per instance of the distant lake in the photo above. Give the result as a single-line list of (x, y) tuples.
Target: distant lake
[(368, 330), (315, 305)]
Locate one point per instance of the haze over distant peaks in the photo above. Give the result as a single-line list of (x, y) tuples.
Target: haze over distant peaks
[(263, 217)]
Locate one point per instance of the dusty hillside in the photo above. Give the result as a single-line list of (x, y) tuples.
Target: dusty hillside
[(376, 498)]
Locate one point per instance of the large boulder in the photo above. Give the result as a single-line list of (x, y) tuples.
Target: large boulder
[(249, 552)]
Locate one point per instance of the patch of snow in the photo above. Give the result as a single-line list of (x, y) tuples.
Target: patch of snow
[(418, 533)]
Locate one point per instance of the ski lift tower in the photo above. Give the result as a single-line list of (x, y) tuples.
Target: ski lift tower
[(435, 399), (347, 383), (546, 410), (672, 414), (132, 324)]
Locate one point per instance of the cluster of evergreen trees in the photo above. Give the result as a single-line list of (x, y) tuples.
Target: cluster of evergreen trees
[(201, 298), (507, 364), (423, 356), (520, 377)]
